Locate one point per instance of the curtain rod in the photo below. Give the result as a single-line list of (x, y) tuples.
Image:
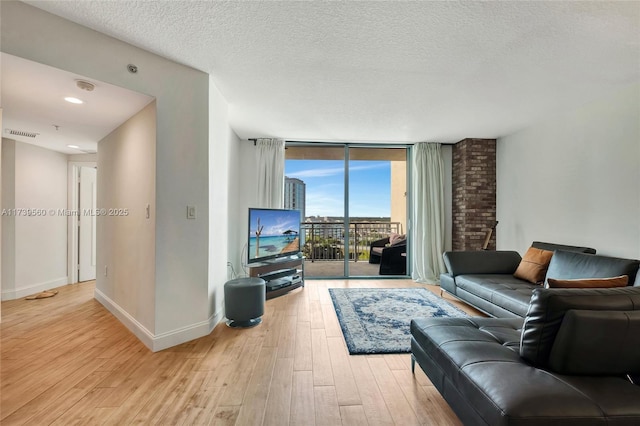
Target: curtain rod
[(383, 145)]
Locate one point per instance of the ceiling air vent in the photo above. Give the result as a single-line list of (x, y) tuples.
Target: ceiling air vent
[(21, 133)]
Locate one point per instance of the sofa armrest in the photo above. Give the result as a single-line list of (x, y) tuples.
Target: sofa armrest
[(392, 261), (597, 343), (481, 262), (380, 243), (374, 257), (448, 284), (393, 252)]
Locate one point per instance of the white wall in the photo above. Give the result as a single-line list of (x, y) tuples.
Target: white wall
[(247, 196), (126, 240), (182, 159), (83, 158), (574, 179), (240, 162), (223, 208), (8, 283), (36, 246)]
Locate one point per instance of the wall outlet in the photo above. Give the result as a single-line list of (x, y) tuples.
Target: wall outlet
[(105, 270)]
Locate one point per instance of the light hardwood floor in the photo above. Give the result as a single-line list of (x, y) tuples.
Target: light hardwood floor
[(66, 360)]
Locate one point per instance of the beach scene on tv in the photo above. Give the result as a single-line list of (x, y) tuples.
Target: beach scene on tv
[(273, 233)]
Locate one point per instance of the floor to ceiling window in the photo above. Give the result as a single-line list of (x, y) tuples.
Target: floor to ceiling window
[(353, 200)]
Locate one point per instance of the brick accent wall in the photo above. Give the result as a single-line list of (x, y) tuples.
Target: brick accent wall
[(474, 193)]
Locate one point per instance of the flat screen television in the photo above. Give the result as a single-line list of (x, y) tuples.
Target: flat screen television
[(273, 233)]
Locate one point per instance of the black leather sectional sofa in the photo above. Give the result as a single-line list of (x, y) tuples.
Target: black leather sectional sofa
[(560, 357), (485, 280)]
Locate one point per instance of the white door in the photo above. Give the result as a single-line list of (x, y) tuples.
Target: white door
[(87, 224)]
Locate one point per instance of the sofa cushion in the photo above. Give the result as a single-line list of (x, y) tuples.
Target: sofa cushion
[(620, 281), (568, 265), (502, 290), (549, 306), (533, 266), (469, 344), (481, 262), (597, 343)]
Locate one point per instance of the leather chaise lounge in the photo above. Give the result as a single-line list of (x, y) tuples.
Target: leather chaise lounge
[(572, 359)]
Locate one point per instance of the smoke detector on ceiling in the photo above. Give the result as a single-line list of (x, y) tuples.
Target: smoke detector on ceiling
[(21, 133), (85, 85)]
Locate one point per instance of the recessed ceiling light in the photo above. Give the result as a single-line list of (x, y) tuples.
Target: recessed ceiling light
[(73, 146), (73, 100)]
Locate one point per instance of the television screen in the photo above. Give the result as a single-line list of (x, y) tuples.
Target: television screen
[(273, 233)]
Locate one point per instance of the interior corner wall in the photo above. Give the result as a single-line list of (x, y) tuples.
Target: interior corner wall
[(247, 197), (182, 159), (125, 263), (223, 209), (237, 232), (8, 283), (574, 179), (38, 252)]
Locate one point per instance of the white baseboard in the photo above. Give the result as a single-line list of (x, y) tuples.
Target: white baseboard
[(160, 341), (21, 292), (123, 316), (185, 334)]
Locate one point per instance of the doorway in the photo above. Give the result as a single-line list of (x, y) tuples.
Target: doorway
[(81, 234), (353, 199)]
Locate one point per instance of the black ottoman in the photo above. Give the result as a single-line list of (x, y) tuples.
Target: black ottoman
[(244, 301)]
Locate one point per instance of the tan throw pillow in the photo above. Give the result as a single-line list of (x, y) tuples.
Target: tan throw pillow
[(534, 264), (621, 281)]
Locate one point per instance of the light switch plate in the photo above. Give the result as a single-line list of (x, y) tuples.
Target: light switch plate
[(191, 212)]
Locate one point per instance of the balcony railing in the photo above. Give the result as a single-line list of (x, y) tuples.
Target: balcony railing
[(325, 240)]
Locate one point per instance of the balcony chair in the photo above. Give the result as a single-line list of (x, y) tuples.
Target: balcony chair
[(391, 254)]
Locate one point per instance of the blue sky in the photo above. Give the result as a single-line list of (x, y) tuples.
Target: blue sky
[(369, 190)]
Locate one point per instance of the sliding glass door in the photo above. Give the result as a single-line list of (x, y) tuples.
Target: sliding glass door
[(377, 211), (353, 201)]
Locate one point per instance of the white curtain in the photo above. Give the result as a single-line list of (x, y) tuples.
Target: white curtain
[(270, 176), (428, 228)]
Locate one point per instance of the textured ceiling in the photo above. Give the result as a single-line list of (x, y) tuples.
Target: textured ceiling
[(385, 71)]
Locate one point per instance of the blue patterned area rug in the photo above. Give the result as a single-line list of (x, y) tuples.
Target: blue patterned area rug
[(376, 320)]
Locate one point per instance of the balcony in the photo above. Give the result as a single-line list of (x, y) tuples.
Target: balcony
[(324, 247)]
